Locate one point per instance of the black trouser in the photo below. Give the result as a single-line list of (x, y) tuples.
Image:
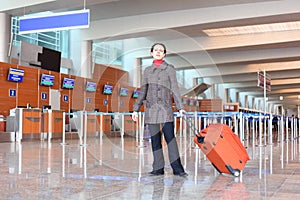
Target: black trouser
[(168, 131)]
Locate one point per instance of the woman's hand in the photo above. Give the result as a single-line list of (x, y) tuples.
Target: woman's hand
[(134, 116), (181, 112)]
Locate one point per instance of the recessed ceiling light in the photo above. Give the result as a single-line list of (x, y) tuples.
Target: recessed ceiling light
[(281, 98)]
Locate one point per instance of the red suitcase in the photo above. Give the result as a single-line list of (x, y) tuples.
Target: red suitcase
[(223, 148)]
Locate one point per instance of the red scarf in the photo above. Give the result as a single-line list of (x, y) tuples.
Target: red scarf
[(157, 63)]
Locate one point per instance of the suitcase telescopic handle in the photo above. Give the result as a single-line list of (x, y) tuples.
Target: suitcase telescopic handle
[(200, 138)]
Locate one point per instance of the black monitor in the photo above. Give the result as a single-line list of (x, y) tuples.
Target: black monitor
[(90, 86), (68, 83), (123, 92), (46, 107), (135, 93), (72, 111), (21, 106), (47, 80), (107, 89), (50, 59), (15, 75)]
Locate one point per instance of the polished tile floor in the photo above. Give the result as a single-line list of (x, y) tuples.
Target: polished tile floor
[(116, 168)]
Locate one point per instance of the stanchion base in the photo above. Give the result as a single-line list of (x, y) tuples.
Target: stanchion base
[(140, 146), (64, 143), (261, 145)]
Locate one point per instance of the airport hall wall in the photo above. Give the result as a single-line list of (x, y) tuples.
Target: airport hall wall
[(30, 91)]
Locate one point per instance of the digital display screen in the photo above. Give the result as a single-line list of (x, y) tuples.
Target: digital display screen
[(47, 80), (68, 83), (191, 102), (15, 75), (107, 89), (123, 92), (136, 93), (184, 101), (229, 107), (91, 86)]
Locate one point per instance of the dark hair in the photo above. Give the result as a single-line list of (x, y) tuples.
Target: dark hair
[(161, 44)]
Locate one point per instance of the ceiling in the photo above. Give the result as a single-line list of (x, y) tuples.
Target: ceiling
[(230, 60)]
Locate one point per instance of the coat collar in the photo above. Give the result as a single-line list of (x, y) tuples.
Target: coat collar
[(163, 66)]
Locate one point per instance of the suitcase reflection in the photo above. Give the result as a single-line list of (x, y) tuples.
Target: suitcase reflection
[(225, 187)]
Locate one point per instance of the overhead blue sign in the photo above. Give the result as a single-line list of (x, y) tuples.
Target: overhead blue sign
[(55, 21)]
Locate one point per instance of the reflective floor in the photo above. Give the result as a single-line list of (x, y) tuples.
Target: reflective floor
[(116, 168)]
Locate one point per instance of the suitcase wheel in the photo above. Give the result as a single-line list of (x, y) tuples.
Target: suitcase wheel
[(234, 172)]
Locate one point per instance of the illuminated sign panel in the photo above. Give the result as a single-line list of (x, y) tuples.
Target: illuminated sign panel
[(55, 21)]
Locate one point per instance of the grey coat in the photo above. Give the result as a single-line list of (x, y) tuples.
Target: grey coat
[(159, 85)]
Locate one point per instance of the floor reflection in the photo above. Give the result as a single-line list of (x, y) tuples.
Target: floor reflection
[(117, 168), (226, 188)]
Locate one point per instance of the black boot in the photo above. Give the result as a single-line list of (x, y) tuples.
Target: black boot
[(157, 172)]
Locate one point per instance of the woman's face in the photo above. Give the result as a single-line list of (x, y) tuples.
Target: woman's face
[(158, 52)]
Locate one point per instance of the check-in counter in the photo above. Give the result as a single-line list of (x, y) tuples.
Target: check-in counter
[(91, 125), (2, 126), (129, 125), (28, 123), (52, 123), (104, 123), (5, 136)]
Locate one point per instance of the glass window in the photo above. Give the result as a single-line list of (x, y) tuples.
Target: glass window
[(64, 70), (56, 40), (109, 52)]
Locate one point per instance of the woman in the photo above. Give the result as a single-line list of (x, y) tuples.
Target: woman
[(159, 85)]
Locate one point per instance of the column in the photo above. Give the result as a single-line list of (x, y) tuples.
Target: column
[(237, 97), (5, 33), (253, 103), (75, 53), (227, 95), (213, 91), (259, 107), (137, 73), (246, 101), (270, 108), (86, 58)]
